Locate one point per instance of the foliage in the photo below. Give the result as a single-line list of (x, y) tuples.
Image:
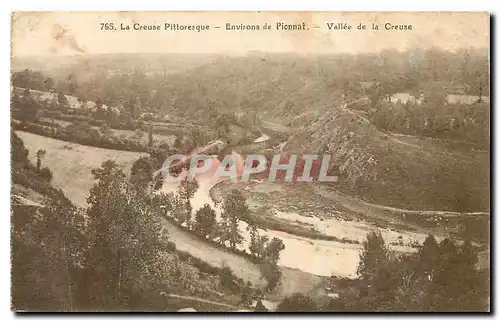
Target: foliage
[(227, 281), (205, 221), (440, 277), (247, 294), (26, 108), (126, 240), (18, 153), (46, 248), (297, 303), (273, 249), (374, 256), (272, 274), (141, 173), (40, 154), (46, 173), (257, 242), (234, 209), (186, 191)]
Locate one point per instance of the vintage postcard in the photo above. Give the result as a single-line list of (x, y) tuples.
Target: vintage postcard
[(250, 162)]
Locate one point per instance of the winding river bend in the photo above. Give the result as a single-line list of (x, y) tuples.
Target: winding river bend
[(318, 257)]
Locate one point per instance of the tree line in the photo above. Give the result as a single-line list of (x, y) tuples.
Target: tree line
[(226, 232), (430, 116), (440, 277)]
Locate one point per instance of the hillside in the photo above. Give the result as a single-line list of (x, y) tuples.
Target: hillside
[(275, 87), (384, 169), (294, 98)]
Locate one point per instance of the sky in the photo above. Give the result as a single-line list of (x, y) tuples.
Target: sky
[(79, 33)]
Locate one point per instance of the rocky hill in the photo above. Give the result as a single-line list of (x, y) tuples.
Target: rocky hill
[(385, 169)]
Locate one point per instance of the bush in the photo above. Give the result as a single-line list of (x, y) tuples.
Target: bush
[(272, 274), (297, 303), (46, 174), (171, 247), (260, 307)]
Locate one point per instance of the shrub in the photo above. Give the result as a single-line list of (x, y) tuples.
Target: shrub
[(272, 274), (297, 303), (46, 174)]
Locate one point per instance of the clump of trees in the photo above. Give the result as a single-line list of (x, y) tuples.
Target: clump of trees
[(433, 117), (440, 277), (205, 222), (226, 232), (25, 108), (108, 257)]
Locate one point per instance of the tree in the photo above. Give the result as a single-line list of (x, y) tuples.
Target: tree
[(112, 117), (272, 274), (234, 209), (435, 98), (375, 254), (46, 250), (150, 138), (123, 263), (40, 154), (18, 153), (141, 173), (376, 271), (247, 294), (205, 221), (186, 191), (257, 243), (259, 307), (227, 279), (49, 84), (100, 113), (273, 249), (429, 257), (456, 285), (131, 110), (29, 107), (298, 302), (46, 173)]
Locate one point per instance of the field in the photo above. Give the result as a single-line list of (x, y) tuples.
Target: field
[(71, 163)]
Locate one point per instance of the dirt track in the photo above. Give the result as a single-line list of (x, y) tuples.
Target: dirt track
[(241, 267)]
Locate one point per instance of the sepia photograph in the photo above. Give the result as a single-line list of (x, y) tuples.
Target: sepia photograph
[(250, 162)]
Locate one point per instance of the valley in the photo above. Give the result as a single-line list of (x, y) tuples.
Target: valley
[(319, 211), (412, 162)]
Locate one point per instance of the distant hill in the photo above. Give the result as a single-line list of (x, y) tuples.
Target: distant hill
[(83, 66), (277, 87)]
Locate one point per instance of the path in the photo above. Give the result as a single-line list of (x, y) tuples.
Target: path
[(198, 299)]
